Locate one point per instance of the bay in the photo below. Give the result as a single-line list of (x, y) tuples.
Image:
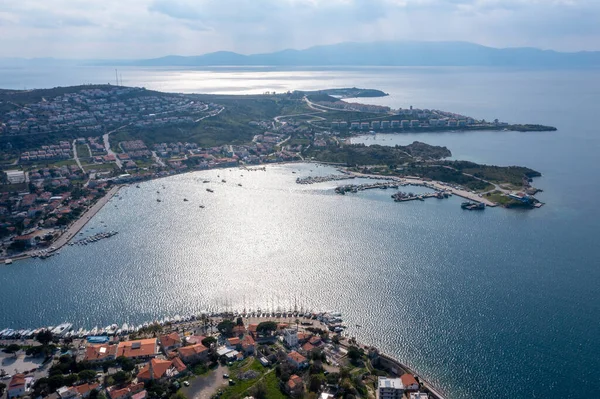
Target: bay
[(501, 303)]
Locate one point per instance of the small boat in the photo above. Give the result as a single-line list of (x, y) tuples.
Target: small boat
[(240, 184), (224, 181), (202, 206), (209, 190), (185, 200), (158, 200), (8, 261), (206, 181), (137, 186)]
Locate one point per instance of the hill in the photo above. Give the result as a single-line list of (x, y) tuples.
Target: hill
[(389, 54)]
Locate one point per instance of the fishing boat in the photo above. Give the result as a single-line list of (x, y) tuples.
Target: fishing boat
[(209, 190)]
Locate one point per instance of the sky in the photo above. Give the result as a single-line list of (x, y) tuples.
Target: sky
[(125, 29)]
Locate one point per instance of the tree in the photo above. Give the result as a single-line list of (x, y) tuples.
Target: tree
[(93, 394), (126, 363), (120, 377), (12, 348), (354, 353), (226, 327), (2, 388), (44, 337), (260, 390), (87, 375), (208, 341), (239, 321), (266, 327), (315, 382)]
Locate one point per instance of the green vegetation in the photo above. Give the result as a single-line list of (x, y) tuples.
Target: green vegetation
[(83, 151), (446, 175), (497, 174), (359, 154), (531, 128)]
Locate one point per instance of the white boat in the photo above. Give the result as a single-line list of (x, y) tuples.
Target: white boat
[(8, 261), (94, 331), (62, 329)]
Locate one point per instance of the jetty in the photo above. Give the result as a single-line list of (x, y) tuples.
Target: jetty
[(322, 179)]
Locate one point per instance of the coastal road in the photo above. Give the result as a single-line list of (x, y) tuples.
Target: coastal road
[(80, 223)]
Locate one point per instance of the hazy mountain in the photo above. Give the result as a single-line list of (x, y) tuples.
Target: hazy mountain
[(360, 54), (390, 54)]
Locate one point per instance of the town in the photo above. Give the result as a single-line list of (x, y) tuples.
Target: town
[(61, 155), (251, 354)]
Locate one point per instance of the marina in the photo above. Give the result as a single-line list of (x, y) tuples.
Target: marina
[(94, 238)]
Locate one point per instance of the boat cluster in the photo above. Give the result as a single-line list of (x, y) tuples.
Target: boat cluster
[(354, 188), (473, 206), (65, 330), (45, 253), (94, 238), (322, 179)]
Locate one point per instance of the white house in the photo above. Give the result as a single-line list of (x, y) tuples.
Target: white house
[(19, 385), (389, 388), (290, 337)]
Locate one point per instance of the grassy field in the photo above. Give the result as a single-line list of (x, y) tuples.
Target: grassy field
[(83, 151), (243, 387), (99, 166), (501, 198)]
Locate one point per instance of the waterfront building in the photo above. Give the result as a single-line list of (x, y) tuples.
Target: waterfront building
[(343, 125), (100, 353), (138, 350), (290, 337), (365, 125), (193, 353), (405, 124), (375, 125), (354, 125), (415, 123), (385, 124), (418, 395), (335, 125), (170, 342), (409, 381), (389, 388), (395, 124)]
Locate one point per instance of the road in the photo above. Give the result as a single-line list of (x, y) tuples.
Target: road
[(109, 151), (76, 157)]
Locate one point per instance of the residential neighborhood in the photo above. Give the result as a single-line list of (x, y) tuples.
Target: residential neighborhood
[(226, 355)]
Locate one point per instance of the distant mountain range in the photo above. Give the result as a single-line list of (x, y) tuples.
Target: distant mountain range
[(389, 54), (367, 54)]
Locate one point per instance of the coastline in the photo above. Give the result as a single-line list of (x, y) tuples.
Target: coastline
[(76, 226)]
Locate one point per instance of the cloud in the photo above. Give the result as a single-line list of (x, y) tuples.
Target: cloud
[(149, 28)]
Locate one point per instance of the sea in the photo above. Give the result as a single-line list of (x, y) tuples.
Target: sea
[(496, 304)]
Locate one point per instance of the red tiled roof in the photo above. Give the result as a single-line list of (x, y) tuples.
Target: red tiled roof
[(298, 358), (170, 340), (408, 379), (16, 381), (308, 347), (85, 388), (99, 352), (294, 382), (187, 351), (234, 341), (159, 368), (139, 348)]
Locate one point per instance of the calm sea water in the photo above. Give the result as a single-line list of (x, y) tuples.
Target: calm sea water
[(500, 303)]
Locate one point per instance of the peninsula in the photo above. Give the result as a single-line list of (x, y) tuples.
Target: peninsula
[(65, 149)]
